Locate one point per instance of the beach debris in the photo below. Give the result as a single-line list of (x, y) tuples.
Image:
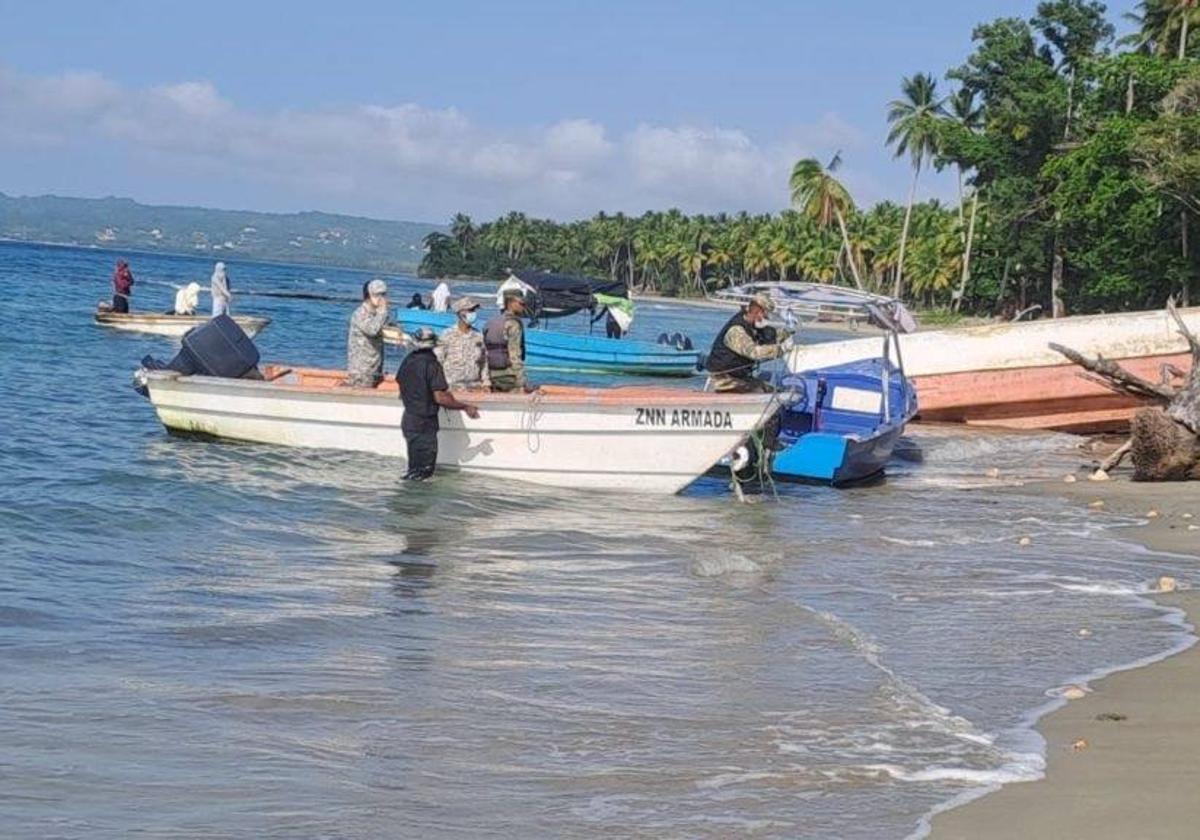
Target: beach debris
[(1084, 633), (1194, 527), (993, 473), (1152, 514), (1096, 505), (1185, 516), (1073, 692), (1069, 479), (1113, 717), (1099, 475), (1166, 583), (1080, 745), (1025, 541), (1164, 439)]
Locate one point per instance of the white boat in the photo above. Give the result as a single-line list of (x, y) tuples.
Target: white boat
[(643, 439), (172, 325), (1008, 375)]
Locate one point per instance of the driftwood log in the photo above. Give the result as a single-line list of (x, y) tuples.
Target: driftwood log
[(1164, 440)]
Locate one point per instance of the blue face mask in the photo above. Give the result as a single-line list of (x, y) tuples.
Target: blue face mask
[(469, 317)]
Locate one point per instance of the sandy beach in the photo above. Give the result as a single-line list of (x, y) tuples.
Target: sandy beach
[(1121, 762)]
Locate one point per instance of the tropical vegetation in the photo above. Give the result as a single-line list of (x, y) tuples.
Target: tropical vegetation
[(1077, 156)]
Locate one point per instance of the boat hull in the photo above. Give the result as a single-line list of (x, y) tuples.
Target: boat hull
[(836, 459), (654, 440), (1007, 375), (172, 325), (840, 429), (549, 350), (1059, 398)]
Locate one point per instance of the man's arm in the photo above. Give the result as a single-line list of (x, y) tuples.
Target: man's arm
[(447, 400), (516, 364), (740, 342)]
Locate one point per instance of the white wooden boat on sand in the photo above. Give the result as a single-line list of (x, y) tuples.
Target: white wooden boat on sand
[(172, 325), (1007, 375), (643, 439)]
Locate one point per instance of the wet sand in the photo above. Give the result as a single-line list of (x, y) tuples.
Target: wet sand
[(1124, 761)]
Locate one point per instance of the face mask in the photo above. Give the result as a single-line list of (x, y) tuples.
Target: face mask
[(469, 317)]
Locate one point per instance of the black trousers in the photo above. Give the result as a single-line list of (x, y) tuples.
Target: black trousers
[(120, 303), (422, 454)]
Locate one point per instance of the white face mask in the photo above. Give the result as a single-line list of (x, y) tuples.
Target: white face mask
[(469, 317)]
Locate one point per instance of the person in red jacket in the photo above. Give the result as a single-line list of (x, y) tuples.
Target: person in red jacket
[(122, 287)]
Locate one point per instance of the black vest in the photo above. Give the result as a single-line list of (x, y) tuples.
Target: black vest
[(496, 344), (723, 360)]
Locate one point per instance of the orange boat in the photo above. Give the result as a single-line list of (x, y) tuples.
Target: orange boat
[(1007, 375)]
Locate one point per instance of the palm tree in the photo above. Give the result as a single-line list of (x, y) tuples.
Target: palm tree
[(965, 112), (463, 231), (914, 132), (1159, 20), (821, 197)]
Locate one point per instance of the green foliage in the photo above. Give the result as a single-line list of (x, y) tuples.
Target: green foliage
[(1059, 143)]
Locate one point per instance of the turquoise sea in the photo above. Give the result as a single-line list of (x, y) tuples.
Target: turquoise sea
[(206, 639)]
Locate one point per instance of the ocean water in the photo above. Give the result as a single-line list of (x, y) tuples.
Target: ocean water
[(205, 639)]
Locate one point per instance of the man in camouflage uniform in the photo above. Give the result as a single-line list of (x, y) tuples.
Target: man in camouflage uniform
[(741, 344), (364, 344), (460, 348), (504, 339)]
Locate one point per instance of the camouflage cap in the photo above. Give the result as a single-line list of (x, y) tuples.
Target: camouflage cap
[(763, 302), (464, 304), (423, 338)]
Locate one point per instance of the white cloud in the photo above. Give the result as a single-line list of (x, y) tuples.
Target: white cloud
[(402, 160)]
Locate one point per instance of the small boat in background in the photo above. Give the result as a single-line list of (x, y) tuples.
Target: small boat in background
[(1007, 375), (171, 325), (640, 439), (552, 296)]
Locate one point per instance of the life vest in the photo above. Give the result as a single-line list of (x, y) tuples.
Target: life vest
[(496, 342), (723, 360)]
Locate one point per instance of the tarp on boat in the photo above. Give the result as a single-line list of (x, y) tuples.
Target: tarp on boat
[(559, 295)]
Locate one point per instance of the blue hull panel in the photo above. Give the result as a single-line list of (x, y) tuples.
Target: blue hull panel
[(842, 443), (566, 351)]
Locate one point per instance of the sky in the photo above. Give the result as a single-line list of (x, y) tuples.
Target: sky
[(405, 110)]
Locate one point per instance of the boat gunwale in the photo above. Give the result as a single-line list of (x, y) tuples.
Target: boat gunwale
[(628, 396)]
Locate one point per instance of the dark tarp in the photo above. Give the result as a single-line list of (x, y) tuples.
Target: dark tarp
[(564, 294)]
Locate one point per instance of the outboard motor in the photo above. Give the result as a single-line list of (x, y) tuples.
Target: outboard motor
[(216, 348)]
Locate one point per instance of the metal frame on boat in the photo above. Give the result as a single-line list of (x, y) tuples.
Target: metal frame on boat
[(822, 303)]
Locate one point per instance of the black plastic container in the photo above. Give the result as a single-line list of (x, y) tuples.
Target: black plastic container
[(217, 348)]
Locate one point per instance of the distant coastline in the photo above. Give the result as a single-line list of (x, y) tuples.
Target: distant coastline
[(308, 238), (207, 259)]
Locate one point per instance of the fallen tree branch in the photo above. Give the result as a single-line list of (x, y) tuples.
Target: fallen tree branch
[(1117, 376)]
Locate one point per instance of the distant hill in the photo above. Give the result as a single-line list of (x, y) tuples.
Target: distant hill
[(317, 238)]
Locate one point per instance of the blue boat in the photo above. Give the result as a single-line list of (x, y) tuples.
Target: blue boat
[(549, 350), (844, 422), (839, 424)]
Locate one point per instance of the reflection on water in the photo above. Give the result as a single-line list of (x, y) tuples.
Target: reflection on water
[(205, 639)]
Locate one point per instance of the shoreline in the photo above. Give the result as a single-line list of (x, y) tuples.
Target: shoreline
[(1119, 760)]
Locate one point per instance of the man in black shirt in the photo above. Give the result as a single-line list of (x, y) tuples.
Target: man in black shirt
[(423, 389)]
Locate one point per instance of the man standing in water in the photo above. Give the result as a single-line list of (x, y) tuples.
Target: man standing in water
[(741, 344), (504, 338), (423, 389)]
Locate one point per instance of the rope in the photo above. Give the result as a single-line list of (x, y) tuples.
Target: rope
[(529, 421)]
